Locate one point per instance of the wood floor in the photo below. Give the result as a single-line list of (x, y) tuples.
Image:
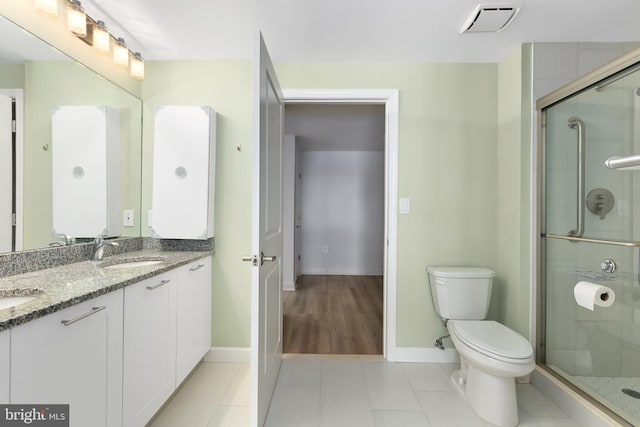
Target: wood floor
[(334, 315)]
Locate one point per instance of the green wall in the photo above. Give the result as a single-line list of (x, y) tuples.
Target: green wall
[(447, 167), (11, 76), (226, 87), (448, 158), (511, 212), (54, 83)]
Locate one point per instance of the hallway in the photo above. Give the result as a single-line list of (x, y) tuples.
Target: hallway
[(334, 315)]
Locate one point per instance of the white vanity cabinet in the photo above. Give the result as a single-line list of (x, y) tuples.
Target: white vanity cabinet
[(184, 157), (193, 316), (5, 349), (149, 347), (167, 332), (73, 356)]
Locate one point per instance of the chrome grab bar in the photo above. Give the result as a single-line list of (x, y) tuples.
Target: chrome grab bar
[(625, 243), (573, 123), (94, 310)]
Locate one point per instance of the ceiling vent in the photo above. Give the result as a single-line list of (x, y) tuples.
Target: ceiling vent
[(490, 18)]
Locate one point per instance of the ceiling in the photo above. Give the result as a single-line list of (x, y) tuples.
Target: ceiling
[(354, 30)]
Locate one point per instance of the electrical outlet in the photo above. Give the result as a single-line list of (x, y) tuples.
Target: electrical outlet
[(127, 218), (325, 250)]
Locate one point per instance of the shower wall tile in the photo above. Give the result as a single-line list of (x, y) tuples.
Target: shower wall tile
[(594, 55), (555, 60)]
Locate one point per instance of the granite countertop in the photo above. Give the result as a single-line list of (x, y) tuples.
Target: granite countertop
[(60, 287)]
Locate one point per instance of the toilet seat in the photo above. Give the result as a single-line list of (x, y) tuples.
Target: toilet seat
[(493, 340)]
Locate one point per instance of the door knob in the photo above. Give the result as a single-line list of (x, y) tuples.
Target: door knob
[(254, 259)]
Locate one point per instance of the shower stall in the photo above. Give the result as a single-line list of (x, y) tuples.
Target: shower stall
[(589, 134)]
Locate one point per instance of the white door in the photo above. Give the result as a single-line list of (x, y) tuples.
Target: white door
[(6, 175), (297, 213), (266, 237)]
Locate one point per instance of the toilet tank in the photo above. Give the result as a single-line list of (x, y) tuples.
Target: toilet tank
[(461, 292)]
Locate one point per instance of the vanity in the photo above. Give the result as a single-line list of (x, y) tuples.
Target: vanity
[(112, 338)]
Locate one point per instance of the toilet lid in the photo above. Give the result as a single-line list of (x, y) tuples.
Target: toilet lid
[(493, 339)]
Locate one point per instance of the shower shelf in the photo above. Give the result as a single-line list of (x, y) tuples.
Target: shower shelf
[(606, 277), (626, 243)]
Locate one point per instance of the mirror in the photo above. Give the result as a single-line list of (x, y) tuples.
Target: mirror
[(41, 79)]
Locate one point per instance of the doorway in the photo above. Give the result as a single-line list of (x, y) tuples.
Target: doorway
[(11, 113), (347, 235)]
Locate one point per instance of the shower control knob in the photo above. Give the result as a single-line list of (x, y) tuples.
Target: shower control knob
[(608, 266)]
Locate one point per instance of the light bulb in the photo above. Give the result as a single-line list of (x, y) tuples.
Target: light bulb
[(50, 7), (76, 19), (120, 53), (137, 66), (101, 38)]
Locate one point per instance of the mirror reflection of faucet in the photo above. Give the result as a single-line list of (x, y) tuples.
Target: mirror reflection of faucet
[(66, 240), (98, 247)]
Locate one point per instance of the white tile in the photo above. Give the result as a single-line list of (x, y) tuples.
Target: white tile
[(299, 373), (294, 406), (556, 422), (388, 387), (343, 396), (428, 376), (447, 409), (535, 403), (196, 401), (400, 419), (555, 60), (239, 390), (228, 416)]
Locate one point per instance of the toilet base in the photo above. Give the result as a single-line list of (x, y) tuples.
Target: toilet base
[(492, 398)]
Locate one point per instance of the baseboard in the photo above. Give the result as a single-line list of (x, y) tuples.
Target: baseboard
[(324, 272), (424, 355), (228, 354)]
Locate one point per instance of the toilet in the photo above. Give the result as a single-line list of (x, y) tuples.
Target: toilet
[(492, 356)]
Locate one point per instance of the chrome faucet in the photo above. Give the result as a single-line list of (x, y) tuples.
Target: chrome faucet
[(98, 247), (68, 240)]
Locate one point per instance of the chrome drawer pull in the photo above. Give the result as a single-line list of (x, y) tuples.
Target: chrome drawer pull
[(163, 282), (94, 310), (198, 267)]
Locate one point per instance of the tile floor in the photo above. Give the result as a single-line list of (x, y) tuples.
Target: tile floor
[(336, 393)]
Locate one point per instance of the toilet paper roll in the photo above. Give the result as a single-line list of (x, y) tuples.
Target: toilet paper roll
[(589, 294)]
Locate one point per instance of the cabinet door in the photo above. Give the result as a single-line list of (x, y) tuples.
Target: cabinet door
[(193, 316), (73, 357), (85, 170), (4, 366), (149, 347), (183, 172)]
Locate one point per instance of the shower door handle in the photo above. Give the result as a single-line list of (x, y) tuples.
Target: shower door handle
[(573, 123)]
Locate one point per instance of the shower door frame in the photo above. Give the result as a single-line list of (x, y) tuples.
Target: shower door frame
[(629, 61)]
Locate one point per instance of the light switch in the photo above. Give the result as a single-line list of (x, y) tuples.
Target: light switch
[(405, 206)]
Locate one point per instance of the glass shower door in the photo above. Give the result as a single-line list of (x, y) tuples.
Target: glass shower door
[(591, 223)]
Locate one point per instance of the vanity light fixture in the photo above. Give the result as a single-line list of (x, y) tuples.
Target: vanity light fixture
[(76, 18), (624, 163), (95, 33), (120, 53), (137, 66), (101, 38), (50, 7)]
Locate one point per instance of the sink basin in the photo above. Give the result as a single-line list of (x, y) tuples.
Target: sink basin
[(14, 297), (8, 302), (131, 263)]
